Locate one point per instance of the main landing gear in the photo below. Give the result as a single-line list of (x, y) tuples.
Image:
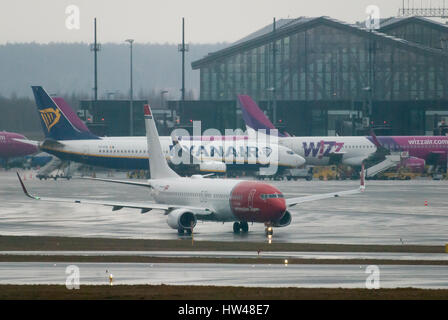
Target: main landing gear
[(182, 231), (240, 227)]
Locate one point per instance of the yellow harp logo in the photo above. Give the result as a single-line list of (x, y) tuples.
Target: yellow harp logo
[(50, 117)]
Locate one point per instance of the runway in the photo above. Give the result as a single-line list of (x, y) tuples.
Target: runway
[(257, 275), (389, 212), (244, 254)]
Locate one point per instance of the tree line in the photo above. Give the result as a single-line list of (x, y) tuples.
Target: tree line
[(66, 69)]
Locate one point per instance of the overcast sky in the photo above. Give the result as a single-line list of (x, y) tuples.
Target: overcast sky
[(207, 21)]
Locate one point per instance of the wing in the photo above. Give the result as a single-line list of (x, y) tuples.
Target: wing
[(116, 205), (294, 201), (26, 141), (133, 183)]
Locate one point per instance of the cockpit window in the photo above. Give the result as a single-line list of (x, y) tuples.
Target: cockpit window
[(271, 196), (289, 152)]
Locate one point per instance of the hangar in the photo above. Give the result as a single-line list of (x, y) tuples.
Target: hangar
[(321, 76)]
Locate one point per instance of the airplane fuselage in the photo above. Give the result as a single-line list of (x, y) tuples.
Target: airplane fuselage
[(322, 150), (355, 149), (422, 147), (131, 152), (230, 200), (10, 148)]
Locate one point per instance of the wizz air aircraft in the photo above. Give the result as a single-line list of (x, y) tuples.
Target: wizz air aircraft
[(351, 150), (14, 145), (68, 138), (187, 200)]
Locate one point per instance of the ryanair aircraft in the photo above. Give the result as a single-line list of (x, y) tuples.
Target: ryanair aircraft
[(67, 137)]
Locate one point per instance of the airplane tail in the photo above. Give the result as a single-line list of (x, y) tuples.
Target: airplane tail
[(58, 120), (253, 116), (381, 150), (158, 166)]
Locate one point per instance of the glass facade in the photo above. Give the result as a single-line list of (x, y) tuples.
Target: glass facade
[(420, 31), (325, 62)]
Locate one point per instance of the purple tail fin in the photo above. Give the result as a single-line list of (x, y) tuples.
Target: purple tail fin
[(253, 116)]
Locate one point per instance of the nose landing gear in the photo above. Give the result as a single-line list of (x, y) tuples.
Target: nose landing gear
[(269, 231), (240, 227)]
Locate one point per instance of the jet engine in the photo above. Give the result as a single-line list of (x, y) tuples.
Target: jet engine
[(284, 221), (212, 166), (181, 219)]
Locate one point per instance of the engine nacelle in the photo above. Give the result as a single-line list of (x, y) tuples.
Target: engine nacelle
[(212, 166), (284, 221), (181, 219)]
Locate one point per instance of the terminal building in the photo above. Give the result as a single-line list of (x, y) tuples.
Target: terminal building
[(112, 117), (321, 76)]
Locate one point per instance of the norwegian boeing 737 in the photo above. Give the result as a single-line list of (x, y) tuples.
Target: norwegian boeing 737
[(187, 200)]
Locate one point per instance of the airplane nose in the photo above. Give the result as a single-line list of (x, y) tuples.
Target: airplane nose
[(277, 206), (300, 161)]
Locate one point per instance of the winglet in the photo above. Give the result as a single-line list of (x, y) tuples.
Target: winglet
[(362, 186), (24, 188)]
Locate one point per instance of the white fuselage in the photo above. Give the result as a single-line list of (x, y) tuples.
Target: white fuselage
[(319, 150), (200, 192), (132, 152), (227, 199)]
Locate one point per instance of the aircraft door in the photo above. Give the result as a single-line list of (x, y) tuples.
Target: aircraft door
[(85, 151), (204, 196), (250, 198)]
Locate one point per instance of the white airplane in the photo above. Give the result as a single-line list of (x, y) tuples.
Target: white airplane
[(187, 200), (69, 139), (316, 150)]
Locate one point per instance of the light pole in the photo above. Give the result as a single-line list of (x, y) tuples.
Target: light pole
[(131, 94), (274, 78), (272, 106), (162, 106), (183, 48), (95, 47), (161, 98)]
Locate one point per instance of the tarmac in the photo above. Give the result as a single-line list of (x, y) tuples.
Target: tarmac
[(396, 256), (246, 275), (403, 213), (389, 212)]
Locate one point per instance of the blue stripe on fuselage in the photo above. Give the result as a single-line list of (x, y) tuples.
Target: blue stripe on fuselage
[(125, 163), (132, 163)]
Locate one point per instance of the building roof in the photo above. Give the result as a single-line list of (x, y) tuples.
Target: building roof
[(393, 22), (288, 26), (280, 24)]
